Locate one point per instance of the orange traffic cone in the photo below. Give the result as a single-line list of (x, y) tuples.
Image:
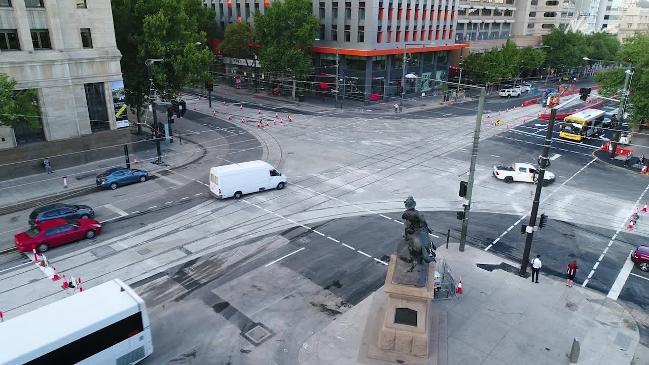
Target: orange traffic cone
[(43, 261), (35, 255), (55, 277), (630, 225), (459, 287)]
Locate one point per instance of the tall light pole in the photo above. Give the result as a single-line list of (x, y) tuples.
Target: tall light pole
[(156, 127), (623, 100)]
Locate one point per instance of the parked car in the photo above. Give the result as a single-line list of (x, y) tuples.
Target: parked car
[(524, 172), (510, 92), (59, 210), (526, 87), (116, 177), (56, 232), (640, 256)]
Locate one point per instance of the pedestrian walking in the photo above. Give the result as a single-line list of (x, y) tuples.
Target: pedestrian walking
[(536, 268), (571, 271), (183, 107), (47, 165)]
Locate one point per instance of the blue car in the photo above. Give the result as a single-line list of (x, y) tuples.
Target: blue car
[(116, 177)]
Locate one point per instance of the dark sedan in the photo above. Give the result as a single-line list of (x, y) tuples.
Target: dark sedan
[(119, 176), (59, 210)]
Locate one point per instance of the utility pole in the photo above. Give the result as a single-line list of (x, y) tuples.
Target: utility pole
[(474, 158), (403, 76), (537, 195), (620, 111), (156, 127), (337, 65)]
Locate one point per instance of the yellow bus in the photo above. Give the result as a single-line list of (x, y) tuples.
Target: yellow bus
[(582, 125)]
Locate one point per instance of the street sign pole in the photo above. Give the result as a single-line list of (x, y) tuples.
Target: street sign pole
[(537, 195), (474, 158)]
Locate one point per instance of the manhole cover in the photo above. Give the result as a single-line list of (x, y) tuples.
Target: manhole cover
[(144, 251), (102, 251), (257, 334)]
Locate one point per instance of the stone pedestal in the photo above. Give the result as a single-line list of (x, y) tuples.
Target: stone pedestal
[(405, 317)]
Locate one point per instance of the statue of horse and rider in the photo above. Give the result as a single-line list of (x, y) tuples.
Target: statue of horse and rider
[(416, 234)]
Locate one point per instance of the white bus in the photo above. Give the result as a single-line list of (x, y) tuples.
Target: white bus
[(107, 324)]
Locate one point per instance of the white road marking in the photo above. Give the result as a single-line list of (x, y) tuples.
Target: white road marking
[(377, 260), (135, 212), (197, 194), (622, 276), (635, 205), (15, 267), (555, 156), (349, 247), (116, 210), (166, 203), (639, 276), (385, 216), (333, 239), (496, 156), (153, 207), (318, 232), (542, 201), (184, 198), (283, 257), (364, 254)]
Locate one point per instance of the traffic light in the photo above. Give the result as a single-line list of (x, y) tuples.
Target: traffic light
[(460, 215), (463, 187), (584, 92), (543, 221)]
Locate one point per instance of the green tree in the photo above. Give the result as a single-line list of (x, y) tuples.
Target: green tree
[(602, 46), (285, 32), (17, 106), (172, 30), (237, 41), (530, 59), (634, 50), (565, 49)]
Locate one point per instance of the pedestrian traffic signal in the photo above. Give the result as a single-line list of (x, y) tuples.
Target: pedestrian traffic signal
[(543, 221), (463, 187), (460, 215), (584, 92)]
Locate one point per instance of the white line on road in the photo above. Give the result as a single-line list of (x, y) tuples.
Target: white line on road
[(184, 198), (169, 202), (377, 260), (555, 156), (333, 239), (167, 178), (622, 276), (283, 257), (116, 210), (364, 254), (542, 201), (198, 194), (135, 212), (496, 156), (639, 276), (592, 272), (15, 267), (349, 247), (320, 233), (152, 207), (385, 216)]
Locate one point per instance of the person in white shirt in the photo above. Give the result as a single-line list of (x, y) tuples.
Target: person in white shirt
[(536, 267)]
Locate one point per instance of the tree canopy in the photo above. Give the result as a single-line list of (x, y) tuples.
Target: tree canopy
[(634, 50), (506, 63), (565, 49), (285, 32), (172, 30), (238, 41), (17, 106)]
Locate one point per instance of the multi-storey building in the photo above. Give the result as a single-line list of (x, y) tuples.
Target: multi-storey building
[(364, 42), (539, 17), (66, 52), (632, 21), (485, 23)]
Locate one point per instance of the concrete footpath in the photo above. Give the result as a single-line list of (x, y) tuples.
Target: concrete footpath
[(501, 319)]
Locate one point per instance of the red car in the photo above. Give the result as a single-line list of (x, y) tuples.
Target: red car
[(56, 232), (640, 256)]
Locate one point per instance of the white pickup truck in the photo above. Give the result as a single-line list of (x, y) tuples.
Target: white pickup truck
[(524, 172)]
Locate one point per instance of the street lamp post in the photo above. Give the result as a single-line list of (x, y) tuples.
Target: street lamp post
[(623, 100), (156, 127)]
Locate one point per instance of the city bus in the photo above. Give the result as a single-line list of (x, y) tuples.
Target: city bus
[(106, 324), (582, 125)]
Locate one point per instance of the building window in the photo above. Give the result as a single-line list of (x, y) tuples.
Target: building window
[(41, 39), (334, 11), (348, 35), (549, 14), (34, 3), (5, 3), (530, 25), (552, 3), (607, 17), (547, 26), (247, 10), (361, 34), (348, 10), (534, 2), (86, 38), (322, 10), (532, 14), (509, 13), (361, 11), (334, 32), (81, 4), (322, 32), (9, 40), (97, 110), (486, 12)]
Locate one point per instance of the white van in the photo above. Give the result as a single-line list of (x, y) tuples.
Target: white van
[(244, 178)]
